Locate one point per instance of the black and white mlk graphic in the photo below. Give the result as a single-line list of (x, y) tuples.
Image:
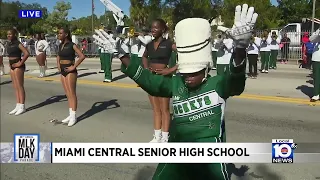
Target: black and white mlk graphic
[(26, 148)]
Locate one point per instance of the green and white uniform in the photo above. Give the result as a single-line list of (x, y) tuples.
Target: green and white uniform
[(144, 40), (214, 54), (315, 38), (134, 47), (198, 113), (265, 54), (224, 55), (274, 47)]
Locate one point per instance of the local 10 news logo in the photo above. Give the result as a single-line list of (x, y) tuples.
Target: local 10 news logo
[(26, 148), (283, 150)]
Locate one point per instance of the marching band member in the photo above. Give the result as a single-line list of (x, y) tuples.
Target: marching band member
[(214, 50), (265, 51), (274, 47), (224, 55), (134, 47), (17, 65), (107, 59), (252, 54), (144, 39), (41, 46), (315, 38), (68, 67), (2, 51), (199, 100)]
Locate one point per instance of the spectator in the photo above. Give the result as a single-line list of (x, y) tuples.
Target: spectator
[(285, 44), (315, 38), (309, 50)]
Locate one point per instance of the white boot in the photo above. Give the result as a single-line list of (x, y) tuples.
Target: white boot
[(21, 110), (165, 137), (68, 118), (1, 71), (156, 137), (43, 71), (73, 119), (15, 109)]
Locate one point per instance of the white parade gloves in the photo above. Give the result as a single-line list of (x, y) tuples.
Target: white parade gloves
[(111, 45), (244, 22)]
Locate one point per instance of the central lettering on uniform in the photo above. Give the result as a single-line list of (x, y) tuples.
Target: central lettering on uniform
[(195, 104)]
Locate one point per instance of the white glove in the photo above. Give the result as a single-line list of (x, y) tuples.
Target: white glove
[(244, 22), (117, 46)]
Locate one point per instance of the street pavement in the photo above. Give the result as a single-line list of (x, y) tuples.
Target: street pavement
[(276, 105)]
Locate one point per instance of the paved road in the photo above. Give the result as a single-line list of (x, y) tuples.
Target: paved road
[(120, 112)]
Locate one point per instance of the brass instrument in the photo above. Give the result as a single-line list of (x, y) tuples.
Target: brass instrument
[(133, 33)]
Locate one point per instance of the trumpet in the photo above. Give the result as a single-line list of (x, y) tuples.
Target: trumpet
[(132, 33)]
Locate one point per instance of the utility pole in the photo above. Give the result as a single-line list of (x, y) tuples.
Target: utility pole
[(92, 2), (313, 16)]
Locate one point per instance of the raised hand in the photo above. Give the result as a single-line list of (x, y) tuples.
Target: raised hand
[(244, 22)]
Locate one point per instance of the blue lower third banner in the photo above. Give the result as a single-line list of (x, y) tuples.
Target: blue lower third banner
[(25, 153)]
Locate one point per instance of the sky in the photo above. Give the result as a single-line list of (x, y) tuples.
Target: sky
[(82, 8)]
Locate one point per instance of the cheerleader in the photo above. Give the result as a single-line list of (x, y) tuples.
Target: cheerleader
[(2, 51), (17, 67), (68, 67), (41, 46)]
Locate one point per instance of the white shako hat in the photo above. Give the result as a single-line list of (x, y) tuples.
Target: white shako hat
[(192, 36)]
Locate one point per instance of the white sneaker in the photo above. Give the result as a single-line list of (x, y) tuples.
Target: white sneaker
[(164, 140), (72, 121), (266, 71), (315, 98), (41, 75), (263, 71), (156, 139), (14, 110), (107, 81), (66, 119), (1, 73), (20, 110)]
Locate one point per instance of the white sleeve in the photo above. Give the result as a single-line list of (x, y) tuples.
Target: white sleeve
[(229, 44), (2, 49), (269, 40), (315, 37), (257, 42), (46, 45)]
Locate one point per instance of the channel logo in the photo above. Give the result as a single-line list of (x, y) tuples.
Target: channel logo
[(283, 150), (30, 14)]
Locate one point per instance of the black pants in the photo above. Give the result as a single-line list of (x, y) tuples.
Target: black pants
[(309, 60), (253, 59)]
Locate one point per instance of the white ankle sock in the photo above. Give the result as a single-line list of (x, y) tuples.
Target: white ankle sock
[(165, 135), (73, 118), (22, 106), (157, 133)]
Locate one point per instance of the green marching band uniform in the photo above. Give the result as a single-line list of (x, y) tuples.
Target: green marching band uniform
[(199, 111), (224, 56), (214, 53), (265, 54), (315, 38), (274, 48), (144, 40), (106, 62)]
